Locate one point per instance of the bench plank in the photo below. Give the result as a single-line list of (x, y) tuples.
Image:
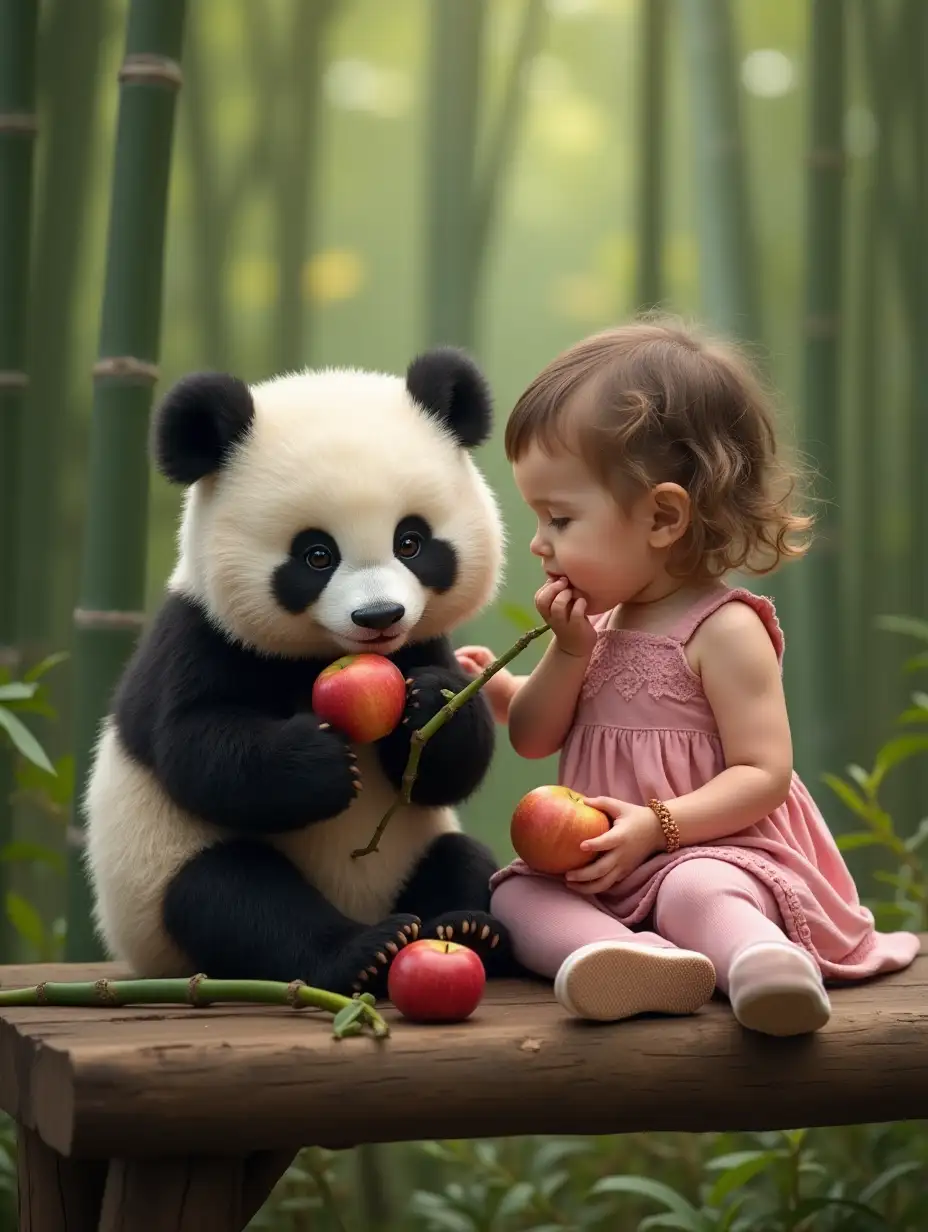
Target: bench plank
[(233, 1080)]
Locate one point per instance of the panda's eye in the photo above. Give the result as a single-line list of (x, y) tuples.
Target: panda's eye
[(409, 545), (318, 557)]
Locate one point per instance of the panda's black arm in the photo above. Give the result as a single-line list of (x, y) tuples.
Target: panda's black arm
[(250, 773), (456, 759)]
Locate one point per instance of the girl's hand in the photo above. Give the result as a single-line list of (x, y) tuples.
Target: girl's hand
[(565, 612), (636, 835), (500, 689)]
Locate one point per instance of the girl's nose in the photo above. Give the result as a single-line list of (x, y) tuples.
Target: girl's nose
[(538, 547)]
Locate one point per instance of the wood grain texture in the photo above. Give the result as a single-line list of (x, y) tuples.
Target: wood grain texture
[(56, 1194), (201, 1194), (126, 1082)]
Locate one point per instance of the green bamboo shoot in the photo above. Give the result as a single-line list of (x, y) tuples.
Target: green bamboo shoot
[(111, 610), (18, 26), (821, 370)]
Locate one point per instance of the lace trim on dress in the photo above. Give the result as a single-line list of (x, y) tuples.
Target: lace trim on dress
[(631, 660)]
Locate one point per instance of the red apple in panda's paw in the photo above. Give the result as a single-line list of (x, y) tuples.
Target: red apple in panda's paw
[(363, 695), (548, 826), (436, 981)]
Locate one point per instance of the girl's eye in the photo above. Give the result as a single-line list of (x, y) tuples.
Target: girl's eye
[(558, 523), (318, 558)]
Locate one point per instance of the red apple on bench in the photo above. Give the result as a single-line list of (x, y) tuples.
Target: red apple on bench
[(436, 981), (548, 826), (363, 695)]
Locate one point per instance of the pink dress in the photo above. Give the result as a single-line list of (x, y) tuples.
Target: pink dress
[(643, 729)]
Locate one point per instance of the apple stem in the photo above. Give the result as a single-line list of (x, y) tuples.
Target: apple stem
[(422, 735)]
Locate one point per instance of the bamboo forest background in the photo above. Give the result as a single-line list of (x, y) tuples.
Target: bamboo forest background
[(347, 181)]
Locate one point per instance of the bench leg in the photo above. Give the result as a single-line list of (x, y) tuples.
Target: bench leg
[(194, 1194), (56, 1194)]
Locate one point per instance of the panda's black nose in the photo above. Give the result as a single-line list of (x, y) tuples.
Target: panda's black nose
[(378, 615)]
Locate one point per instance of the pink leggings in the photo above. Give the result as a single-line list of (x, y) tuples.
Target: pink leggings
[(706, 905)]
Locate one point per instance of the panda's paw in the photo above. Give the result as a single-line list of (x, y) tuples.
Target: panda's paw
[(426, 693), (364, 962), (479, 931)]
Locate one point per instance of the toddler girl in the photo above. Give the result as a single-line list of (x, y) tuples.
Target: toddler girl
[(649, 457)]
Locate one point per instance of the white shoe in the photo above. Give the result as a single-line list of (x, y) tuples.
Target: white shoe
[(776, 988), (610, 980)]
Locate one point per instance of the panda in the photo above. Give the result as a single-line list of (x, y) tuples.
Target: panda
[(325, 512)]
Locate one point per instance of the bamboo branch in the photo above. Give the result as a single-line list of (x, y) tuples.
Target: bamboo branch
[(423, 735), (350, 1013)]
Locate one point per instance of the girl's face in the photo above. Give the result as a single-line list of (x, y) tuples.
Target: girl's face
[(609, 555)]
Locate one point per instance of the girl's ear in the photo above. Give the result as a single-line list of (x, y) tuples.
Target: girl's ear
[(670, 514)]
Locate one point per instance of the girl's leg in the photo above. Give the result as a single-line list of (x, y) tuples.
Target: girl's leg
[(774, 986), (600, 968)]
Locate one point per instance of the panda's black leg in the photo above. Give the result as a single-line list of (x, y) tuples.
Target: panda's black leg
[(241, 910), (450, 892)]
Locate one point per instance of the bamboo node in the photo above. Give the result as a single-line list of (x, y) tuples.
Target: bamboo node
[(25, 122), (193, 989), (117, 367), (41, 995), (104, 993), (147, 69), (14, 380), (293, 992), (85, 619)]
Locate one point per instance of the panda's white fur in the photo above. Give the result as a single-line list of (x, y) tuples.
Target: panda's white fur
[(351, 452)]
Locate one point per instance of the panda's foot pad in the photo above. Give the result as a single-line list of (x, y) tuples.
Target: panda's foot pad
[(478, 930), (372, 951)]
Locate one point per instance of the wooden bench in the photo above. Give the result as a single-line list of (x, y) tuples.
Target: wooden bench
[(164, 1119)]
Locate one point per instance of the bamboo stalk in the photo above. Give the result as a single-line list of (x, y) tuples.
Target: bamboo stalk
[(821, 371), (651, 125), (69, 52), (200, 991), (422, 735), (457, 28), (18, 29), (295, 165), (111, 611), (728, 280)]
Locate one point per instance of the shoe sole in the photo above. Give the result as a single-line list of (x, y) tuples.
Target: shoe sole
[(608, 981), (784, 1011)]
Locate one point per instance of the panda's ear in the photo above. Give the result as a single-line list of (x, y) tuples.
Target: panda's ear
[(449, 386), (201, 418)]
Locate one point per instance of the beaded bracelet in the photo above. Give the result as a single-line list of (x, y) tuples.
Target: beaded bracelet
[(668, 825)]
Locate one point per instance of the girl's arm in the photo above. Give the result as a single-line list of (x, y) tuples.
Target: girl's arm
[(541, 712)]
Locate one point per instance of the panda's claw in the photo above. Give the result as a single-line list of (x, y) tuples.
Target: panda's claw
[(465, 927), (324, 726), (392, 947), (484, 932), (382, 958)]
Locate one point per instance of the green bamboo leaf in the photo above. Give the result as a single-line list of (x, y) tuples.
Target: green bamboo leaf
[(810, 1206), (345, 1017), (668, 1219), (516, 1200), (21, 852), (897, 751), (887, 1178), (859, 838), (915, 714), (25, 919), (856, 803), (911, 626), (644, 1187), (916, 663), (39, 669), (914, 841), (24, 740), (17, 691), (737, 1169)]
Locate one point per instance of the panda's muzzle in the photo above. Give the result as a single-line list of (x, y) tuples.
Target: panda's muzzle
[(378, 615)]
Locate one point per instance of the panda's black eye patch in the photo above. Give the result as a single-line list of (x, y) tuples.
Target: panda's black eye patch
[(433, 561), (301, 579)]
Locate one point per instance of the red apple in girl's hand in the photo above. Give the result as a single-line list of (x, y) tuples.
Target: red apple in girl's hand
[(548, 826), (436, 981), (363, 695)]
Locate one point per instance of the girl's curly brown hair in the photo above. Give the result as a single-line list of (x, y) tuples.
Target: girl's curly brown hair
[(656, 401)]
